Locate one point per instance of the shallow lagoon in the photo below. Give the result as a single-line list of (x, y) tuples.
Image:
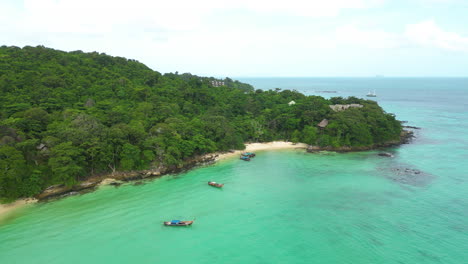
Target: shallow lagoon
[(284, 206)]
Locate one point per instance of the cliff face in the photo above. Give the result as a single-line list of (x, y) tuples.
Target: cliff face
[(57, 191)]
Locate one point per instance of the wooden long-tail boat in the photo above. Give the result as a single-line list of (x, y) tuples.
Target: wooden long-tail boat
[(178, 223), (215, 184), (244, 158), (248, 154)]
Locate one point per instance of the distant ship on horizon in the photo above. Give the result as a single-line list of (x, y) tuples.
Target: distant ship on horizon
[(369, 94)]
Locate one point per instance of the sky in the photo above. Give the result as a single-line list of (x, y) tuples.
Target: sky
[(254, 38)]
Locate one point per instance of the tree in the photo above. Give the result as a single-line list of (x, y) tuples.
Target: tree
[(309, 135), (12, 170), (66, 163), (295, 137), (68, 115), (130, 157)]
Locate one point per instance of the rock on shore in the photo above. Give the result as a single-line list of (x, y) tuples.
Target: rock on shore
[(405, 137), (385, 154), (63, 190), (118, 178)]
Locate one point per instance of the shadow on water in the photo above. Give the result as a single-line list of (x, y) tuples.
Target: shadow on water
[(429, 256), (404, 174)]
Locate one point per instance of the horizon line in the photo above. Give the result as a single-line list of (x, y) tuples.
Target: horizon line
[(373, 77)]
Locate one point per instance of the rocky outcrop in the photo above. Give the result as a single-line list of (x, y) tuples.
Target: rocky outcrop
[(408, 176), (63, 190), (57, 191), (115, 183), (412, 127), (69, 194), (385, 154), (406, 136)]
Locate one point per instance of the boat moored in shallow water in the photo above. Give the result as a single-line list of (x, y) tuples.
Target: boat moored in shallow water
[(248, 154), (244, 158), (178, 223), (215, 184)]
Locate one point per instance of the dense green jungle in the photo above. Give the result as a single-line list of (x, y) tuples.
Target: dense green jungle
[(66, 116)]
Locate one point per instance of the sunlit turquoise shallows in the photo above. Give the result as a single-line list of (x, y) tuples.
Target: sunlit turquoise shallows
[(284, 206)]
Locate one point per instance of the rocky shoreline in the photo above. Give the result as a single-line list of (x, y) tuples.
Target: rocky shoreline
[(405, 138), (117, 178)]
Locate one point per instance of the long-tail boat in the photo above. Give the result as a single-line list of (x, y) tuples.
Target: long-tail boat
[(248, 154), (178, 223), (244, 158), (215, 184)]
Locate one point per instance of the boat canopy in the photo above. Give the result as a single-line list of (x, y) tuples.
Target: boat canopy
[(175, 221)]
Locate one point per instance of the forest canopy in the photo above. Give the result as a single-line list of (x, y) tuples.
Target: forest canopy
[(65, 116)]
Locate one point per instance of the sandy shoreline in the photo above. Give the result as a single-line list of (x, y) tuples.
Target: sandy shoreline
[(252, 147), (249, 147), (5, 209)]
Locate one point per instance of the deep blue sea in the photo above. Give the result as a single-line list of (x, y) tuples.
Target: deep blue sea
[(285, 206)]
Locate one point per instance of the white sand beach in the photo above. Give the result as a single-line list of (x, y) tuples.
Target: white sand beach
[(5, 209), (252, 147)]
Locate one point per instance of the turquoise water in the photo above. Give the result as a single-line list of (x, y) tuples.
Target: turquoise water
[(284, 206)]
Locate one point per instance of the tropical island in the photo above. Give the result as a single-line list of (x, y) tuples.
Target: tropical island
[(66, 117)]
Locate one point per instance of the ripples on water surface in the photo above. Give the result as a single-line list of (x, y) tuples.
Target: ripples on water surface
[(284, 206)]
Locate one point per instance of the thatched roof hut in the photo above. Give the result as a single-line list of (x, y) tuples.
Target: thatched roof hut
[(323, 123)]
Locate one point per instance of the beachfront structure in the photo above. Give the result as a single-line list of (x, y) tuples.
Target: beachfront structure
[(342, 107), (216, 83)]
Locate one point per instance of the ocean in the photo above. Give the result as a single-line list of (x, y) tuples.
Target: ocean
[(285, 206)]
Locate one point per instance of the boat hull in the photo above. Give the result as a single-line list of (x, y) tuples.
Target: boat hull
[(181, 223), (217, 185)]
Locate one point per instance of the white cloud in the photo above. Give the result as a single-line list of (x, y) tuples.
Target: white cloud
[(440, 1), (308, 8), (89, 16), (175, 27), (429, 34), (104, 16), (8, 13), (221, 36), (375, 39), (425, 34)]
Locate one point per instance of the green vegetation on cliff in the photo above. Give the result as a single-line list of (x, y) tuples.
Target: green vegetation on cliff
[(66, 116)]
